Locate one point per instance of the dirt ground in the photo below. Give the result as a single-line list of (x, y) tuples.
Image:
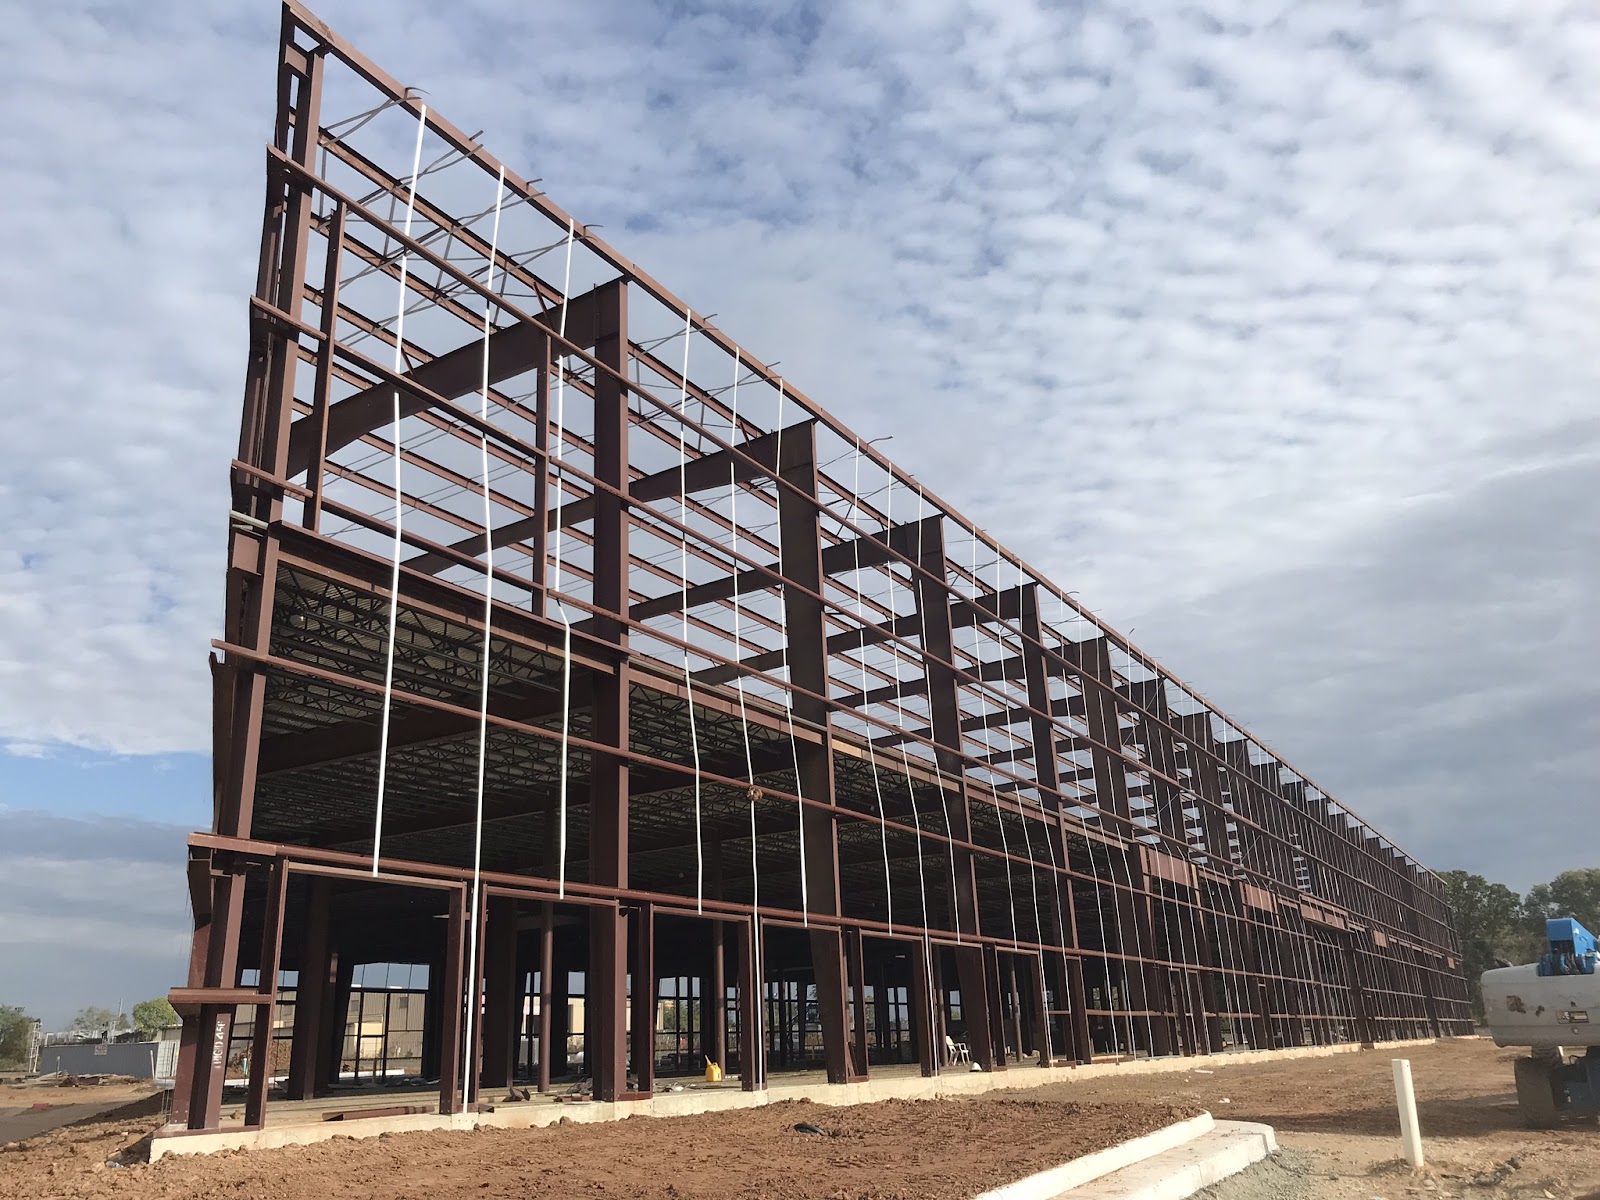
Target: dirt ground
[(1335, 1119), (896, 1150)]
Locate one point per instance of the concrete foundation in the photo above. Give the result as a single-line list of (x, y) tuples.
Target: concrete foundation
[(547, 1110)]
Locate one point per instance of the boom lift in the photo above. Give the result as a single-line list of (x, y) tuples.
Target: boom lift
[(1547, 1006)]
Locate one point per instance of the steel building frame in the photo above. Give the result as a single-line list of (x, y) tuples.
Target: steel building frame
[(762, 711)]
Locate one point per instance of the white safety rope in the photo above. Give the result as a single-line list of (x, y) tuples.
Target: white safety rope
[(1027, 839), (1143, 947), (783, 633), (1101, 891), (750, 1009), (1229, 964), (683, 578), (938, 771), (932, 996), (854, 518), (1022, 814), (469, 1080), (1175, 906), (555, 585), (399, 494), (1049, 748), (977, 671)]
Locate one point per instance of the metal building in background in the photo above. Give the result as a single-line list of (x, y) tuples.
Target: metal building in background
[(662, 719)]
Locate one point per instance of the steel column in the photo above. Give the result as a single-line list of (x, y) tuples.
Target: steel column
[(453, 1008), (255, 1104)]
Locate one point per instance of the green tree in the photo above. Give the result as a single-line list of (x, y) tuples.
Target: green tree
[(1569, 894), (16, 1029), (1488, 922), (152, 1016), (91, 1021)]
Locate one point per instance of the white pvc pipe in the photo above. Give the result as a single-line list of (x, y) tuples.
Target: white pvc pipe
[(1410, 1136)]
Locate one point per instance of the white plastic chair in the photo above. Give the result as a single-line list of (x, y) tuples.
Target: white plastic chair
[(956, 1051)]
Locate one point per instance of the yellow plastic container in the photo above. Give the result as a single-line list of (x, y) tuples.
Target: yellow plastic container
[(713, 1072)]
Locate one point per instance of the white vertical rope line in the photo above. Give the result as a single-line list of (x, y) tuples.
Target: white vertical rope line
[(1196, 909), (1286, 943), (1139, 947), (469, 1079), (683, 578), (1050, 749), (905, 763), (938, 772), (861, 620), (1022, 814), (1267, 960), (1105, 942), (1027, 839), (1261, 932), (752, 1003), (783, 633), (1237, 970), (399, 497), (1142, 948), (1270, 809), (555, 585), (1099, 889), (1168, 903), (1228, 965), (988, 750)]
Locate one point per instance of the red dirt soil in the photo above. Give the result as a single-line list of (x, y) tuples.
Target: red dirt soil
[(1337, 1112), (894, 1150)]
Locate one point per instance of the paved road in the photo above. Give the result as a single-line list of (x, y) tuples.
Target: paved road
[(19, 1123)]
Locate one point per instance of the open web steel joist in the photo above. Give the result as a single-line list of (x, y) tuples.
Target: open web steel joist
[(576, 657)]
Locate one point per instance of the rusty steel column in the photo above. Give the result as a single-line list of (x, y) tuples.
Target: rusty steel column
[(1207, 783), (858, 983), (322, 389), (922, 1022), (605, 1007), (1082, 1041), (974, 1004), (644, 998), (800, 538), (501, 989), (944, 709), (255, 1104), (1037, 670), (200, 891), (1039, 1002), (453, 1009), (253, 563), (547, 940), (335, 1021), (718, 1027), (215, 1022), (311, 986), (995, 1006), (752, 1073)]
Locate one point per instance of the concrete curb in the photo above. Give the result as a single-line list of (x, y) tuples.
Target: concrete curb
[(1055, 1180), (1183, 1170)]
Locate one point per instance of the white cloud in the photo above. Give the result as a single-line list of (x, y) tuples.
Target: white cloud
[(1214, 300)]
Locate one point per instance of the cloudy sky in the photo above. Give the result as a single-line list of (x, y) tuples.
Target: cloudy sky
[(1269, 328)]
